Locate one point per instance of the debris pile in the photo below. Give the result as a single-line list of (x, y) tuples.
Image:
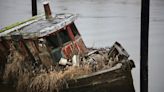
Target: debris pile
[(31, 76)]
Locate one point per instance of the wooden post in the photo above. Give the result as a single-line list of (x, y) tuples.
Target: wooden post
[(34, 7), (144, 46)]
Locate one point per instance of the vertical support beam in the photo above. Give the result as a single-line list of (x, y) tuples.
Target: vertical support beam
[(28, 51), (34, 7), (19, 38), (144, 45)]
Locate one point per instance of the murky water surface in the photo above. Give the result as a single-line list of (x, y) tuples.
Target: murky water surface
[(101, 23)]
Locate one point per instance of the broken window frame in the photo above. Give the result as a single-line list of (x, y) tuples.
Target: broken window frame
[(53, 41), (61, 38), (74, 30)]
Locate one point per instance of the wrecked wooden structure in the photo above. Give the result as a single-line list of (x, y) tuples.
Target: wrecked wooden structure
[(55, 40)]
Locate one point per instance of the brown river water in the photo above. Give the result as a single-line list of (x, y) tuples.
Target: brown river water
[(101, 23)]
